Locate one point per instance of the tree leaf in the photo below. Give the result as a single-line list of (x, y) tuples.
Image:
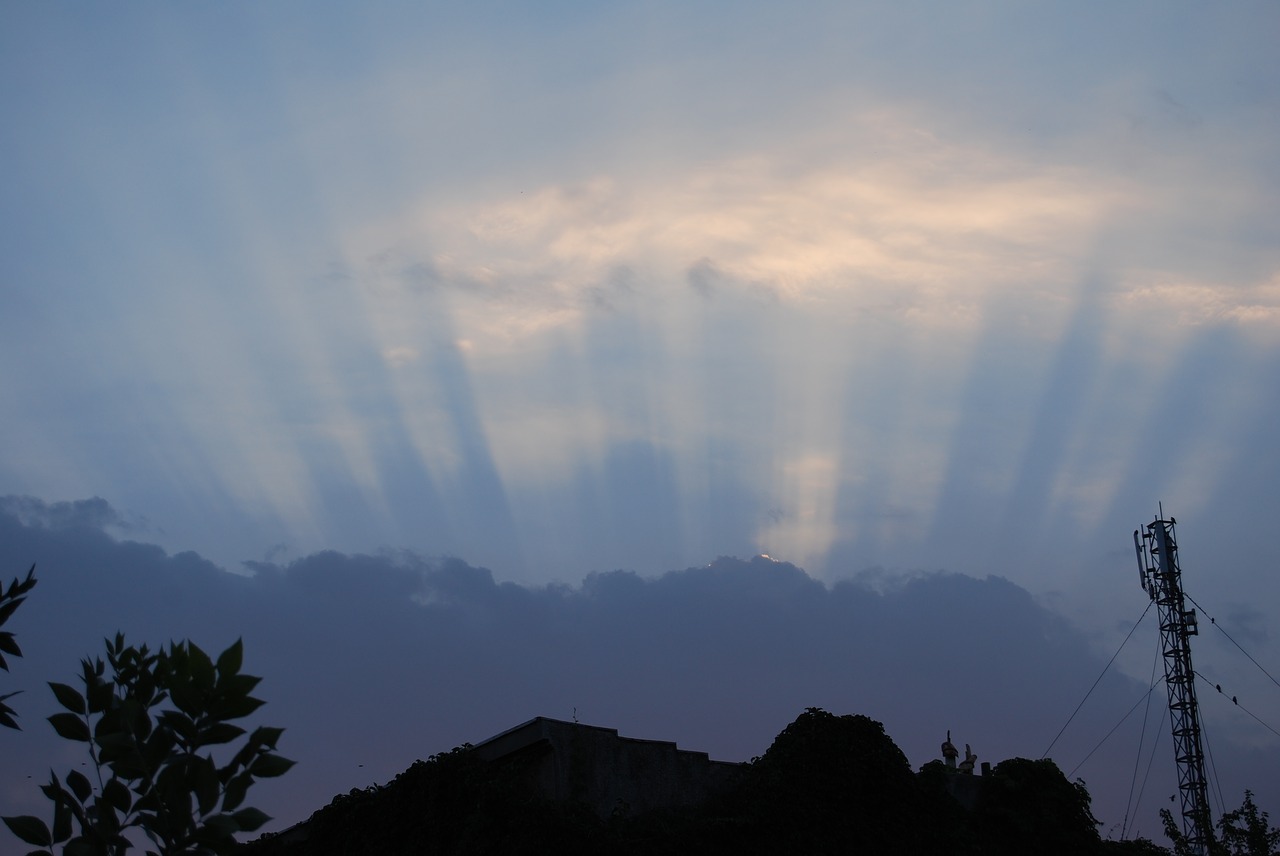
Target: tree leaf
[(101, 693), (267, 766), (206, 784), (222, 825), (7, 609), (201, 667), (180, 723), (127, 765), (188, 699), (236, 790), (30, 829), (61, 822), (7, 713), (111, 739), (158, 748), (117, 795), (240, 684), (266, 736), (220, 732), (8, 645), (68, 697), (54, 789), (229, 661), (249, 819), (79, 785), (70, 726), (234, 707)]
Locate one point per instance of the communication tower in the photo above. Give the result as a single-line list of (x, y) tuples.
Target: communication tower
[(1161, 578)]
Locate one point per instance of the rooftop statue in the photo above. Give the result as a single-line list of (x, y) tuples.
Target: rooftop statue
[(966, 766), (949, 751)]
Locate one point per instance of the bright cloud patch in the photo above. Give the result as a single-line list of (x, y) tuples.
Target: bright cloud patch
[(829, 315)]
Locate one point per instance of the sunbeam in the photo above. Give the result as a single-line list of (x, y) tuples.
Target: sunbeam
[(567, 289)]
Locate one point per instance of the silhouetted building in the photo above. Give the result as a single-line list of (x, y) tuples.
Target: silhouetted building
[(827, 784), (556, 762), (571, 762)]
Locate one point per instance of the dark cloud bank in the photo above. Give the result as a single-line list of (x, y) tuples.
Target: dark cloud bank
[(371, 662)]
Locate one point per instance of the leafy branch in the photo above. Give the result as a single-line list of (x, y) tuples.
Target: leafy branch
[(148, 719), (10, 600), (1246, 831)]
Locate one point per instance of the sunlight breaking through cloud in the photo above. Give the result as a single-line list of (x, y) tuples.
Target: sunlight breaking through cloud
[(823, 261), (645, 285)]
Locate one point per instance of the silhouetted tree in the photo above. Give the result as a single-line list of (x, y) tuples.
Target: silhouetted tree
[(831, 784), (451, 803), (1029, 806), (1181, 847), (1248, 831), (148, 722)]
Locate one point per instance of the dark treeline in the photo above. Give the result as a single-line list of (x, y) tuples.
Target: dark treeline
[(828, 784)]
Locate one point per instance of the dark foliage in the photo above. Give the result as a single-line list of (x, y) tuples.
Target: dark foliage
[(1132, 847), (1246, 831), (1026, 801), (453, 803), (10, 599), (833, 784), (149, 721), (828, 784)]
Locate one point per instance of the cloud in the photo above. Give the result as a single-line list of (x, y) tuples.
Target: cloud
[(887, 212), (1252, 307), (400, 356), (703, 276), (887, 207), (915, 220), (861, 314), (95, 513), (377, 660)]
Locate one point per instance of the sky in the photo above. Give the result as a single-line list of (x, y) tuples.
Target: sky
[(931, 304)]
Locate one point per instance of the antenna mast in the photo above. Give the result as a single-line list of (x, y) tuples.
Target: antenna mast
[(1161, 578)]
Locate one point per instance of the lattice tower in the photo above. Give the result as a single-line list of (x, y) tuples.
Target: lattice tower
[(1157, 549)]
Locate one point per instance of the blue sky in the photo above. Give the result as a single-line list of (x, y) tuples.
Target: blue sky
[(563, 288)]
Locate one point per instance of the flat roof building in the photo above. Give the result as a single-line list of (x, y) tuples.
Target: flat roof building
[(611, 774)]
